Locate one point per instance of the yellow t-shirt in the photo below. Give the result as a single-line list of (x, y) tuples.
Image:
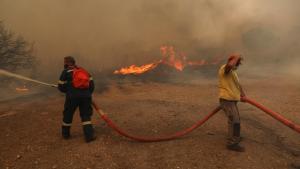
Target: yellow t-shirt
[(229, 88)]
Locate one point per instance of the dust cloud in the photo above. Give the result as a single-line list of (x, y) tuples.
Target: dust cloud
[(109, 34)]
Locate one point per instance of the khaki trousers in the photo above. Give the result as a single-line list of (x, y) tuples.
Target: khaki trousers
[(231, 110)]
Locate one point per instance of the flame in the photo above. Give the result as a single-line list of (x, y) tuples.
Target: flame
[(22, 89), (133, 69), (197, 63), (169, 57), (216, 60)]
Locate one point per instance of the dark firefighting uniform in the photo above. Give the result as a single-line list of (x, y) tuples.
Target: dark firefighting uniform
[(75, 97)]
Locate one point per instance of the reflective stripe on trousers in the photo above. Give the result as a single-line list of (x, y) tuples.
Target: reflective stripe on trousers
[(86, 123), (66, 124)]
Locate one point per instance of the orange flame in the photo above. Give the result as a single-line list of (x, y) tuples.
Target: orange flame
[(170, 58), (22, 89), (197, 63), (133, 69)]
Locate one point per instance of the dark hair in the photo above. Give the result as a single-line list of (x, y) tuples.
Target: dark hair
[(70, 59)]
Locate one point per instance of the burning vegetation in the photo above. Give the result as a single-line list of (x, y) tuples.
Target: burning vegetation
[(175, 60), (22, 89)]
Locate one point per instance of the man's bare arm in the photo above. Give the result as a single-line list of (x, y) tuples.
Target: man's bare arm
[(229, 66), (242, 91)]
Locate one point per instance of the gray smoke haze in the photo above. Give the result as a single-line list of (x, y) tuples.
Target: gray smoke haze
[(109, 34)]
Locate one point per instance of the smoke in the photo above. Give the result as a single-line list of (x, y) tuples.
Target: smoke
[(109, 34)]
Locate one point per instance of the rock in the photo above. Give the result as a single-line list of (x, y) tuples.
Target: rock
[(296, 165), (19, 156), (44, 113), (296, 153), (282, 137), (210, 133), (28, 148), (54, 166), (155, 131)]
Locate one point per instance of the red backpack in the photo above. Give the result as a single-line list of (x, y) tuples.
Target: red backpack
[(81, 78)]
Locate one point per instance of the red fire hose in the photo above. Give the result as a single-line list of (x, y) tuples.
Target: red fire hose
[(196, 125), (275, 115), (154, 139)]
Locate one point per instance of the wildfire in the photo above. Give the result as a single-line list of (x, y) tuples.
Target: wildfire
[(169, 57), (22, 89), (133, 69), (197, 63)]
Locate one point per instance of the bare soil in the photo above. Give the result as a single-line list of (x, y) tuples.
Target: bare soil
[(30, 129)]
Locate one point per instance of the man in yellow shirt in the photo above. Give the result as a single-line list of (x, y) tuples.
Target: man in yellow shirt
[(230, 92)]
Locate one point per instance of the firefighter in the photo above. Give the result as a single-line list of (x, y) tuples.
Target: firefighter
[(78, 86), (230, 93)]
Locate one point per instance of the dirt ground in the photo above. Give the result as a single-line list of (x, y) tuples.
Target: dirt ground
[(30, 129)]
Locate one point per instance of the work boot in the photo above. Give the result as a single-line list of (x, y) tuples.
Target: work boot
[(88, 131), (87, 140), (66, 132), (233, 143), (236, 147)]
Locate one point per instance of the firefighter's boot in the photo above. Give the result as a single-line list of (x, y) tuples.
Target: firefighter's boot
[(66, 132), (88, 131)]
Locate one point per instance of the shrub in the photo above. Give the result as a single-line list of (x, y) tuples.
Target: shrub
[(15, 53)]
